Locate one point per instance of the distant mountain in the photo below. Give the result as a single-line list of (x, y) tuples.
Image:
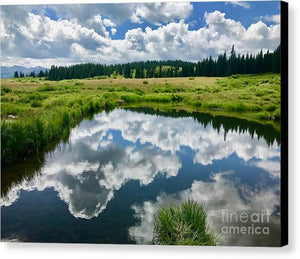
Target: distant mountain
[(9, 71)]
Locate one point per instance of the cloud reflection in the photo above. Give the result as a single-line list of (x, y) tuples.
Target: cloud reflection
[(112, 149), (86, 178), (170, 134)]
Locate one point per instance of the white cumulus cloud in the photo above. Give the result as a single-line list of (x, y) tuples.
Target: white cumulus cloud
[(158, 13), (108, 23), (243, 4), (39, 40), (271, 18), (113, 31)]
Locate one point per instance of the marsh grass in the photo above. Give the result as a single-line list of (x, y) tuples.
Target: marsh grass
[(185, 224), (38, 128)]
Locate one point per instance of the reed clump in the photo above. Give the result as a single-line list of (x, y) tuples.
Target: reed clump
[(185, 224)]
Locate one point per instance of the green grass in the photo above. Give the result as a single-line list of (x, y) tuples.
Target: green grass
[(185, 224), (40, 106)]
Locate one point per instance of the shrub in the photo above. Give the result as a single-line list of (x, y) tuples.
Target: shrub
[(138, 91), (5, 99), (145, 82), (158, 98), (183, 225), (244, 97), (5, 90), (271, 107), (100, 77), (46, 88), (36, 103), (260, 93), (213, 105), (91, 108), (276, 115), (130, 98), (109, 105), (176, 98), (263, 115), (216, 90)]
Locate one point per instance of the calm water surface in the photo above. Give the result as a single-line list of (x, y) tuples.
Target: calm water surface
[(107, 182)]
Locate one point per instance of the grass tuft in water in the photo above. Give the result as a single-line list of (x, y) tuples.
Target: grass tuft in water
[(185, 224)]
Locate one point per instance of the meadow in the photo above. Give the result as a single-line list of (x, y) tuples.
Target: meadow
[(37, 113)]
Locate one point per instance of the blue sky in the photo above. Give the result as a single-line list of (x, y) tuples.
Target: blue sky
[(245, 15), (118, 33)]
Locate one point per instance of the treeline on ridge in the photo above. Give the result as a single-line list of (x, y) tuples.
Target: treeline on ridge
[(222, 66)]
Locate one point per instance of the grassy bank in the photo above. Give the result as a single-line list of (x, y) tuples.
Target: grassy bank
[(36, 113), (183, 225)]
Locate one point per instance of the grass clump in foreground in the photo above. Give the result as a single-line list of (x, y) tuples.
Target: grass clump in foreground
[(185, 224)]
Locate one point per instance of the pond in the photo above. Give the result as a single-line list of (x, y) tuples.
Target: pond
[(105, 184)]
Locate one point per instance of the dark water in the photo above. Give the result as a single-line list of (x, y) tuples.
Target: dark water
[(106, 184)]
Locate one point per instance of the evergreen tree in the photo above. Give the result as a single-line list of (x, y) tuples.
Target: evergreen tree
[(41, 73), (127, 71)]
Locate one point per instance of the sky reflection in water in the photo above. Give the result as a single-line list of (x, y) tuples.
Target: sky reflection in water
[(145, 162)]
